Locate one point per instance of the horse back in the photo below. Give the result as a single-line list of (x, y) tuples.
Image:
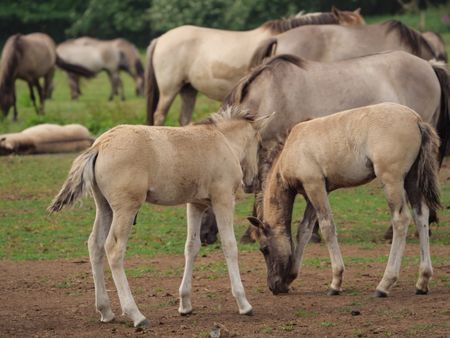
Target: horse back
[(38, 56)]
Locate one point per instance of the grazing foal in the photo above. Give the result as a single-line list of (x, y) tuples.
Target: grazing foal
[(388, 141), (201, 165)]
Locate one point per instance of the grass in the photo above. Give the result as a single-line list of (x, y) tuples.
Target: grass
[(28, 183)]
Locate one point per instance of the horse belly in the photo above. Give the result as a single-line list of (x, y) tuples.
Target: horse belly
[(350, 173), (172, 193)]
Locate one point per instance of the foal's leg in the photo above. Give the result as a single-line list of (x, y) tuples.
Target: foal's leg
[(317, 195), (395, 194), (188, 95), (115, 247), (224, 211), (96, 244), (304, 233), (191, 249)]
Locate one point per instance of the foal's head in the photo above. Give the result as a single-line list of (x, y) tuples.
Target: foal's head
[(275, 243)]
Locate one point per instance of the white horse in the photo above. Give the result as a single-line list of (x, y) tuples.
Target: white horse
[(201, 165)]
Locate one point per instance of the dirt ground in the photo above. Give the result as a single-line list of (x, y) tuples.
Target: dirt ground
[(56, 299)]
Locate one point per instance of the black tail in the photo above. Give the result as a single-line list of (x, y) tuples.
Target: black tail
[(73, 68), (443, 125), (151, 85), (264, 50)]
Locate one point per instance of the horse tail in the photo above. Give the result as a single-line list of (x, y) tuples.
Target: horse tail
[(9, 62), (80, 180), (73, 68), (151, 85), (265, 49), (442, 126)]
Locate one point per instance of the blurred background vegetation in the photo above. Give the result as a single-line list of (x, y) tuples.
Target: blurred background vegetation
[(141, 20)]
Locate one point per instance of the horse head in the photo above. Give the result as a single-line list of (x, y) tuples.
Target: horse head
[(277, 248), (6, 99)]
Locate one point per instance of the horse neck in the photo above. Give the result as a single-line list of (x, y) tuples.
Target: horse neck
[(237, 134), (9, 63)]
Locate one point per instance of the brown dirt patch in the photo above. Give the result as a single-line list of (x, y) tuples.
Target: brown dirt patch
[(56, 299)]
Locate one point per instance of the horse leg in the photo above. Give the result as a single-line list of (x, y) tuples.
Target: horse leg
[(120, 85), (188, 95), (395, 195), (224, 211), (102, 224), (14, 103), (113, 83), (41, 96), (317, 195), (304, 232), (191, 249), (163, 108), (33, 98), (74, 84), (48, 83), (115, 247)]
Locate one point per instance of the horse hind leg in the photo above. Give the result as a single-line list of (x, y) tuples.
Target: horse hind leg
[(33, 98), (165, 100), (188, 96), (48, 84), (41, 94), (395, 195), (191, 249), (96, 244)]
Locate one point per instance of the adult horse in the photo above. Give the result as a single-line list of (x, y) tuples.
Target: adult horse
[(333, 42), (95, 56), (190, 59), (132, 65), (300, 90), (201, 165), (347, 149), (29, 58)]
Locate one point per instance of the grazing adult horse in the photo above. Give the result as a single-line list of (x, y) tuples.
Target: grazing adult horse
[(436, 42), (329, 43), (300, 90), (201, 165), (95, 56), (388, 141), (190, 59)]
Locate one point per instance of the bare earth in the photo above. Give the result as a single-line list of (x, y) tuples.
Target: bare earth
[(56, 299)]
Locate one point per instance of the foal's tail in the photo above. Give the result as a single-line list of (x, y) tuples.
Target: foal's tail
[(151, 85), (426, 167), (264, 50), (79, 182)]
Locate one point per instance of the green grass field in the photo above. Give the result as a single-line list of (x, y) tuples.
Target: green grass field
[(28, 183)]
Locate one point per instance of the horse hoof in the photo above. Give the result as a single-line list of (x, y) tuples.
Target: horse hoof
[(248, 313), (380, 294), (185, 313), (421, 292), (333, 292), (143, 324), (315, 238)]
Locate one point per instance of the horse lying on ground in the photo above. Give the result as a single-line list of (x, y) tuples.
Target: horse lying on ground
[(201, 165), (347, 149), (46, 138), (29, 57), (300, 90), (94, 56), (190, 59)]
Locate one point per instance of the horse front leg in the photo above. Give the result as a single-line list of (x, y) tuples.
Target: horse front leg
[(41, 94), (14, 103), (188, 95), (395, 195), (191, 249), (224, 211), (115, 247), (317, 195), (33, 98)]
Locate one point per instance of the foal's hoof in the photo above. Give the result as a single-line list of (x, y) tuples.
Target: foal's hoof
[(333, 292), (143, 324), (421, 292), (380, 294)]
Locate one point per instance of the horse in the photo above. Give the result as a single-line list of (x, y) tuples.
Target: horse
[(388, 141), (95, 56), (300, 90), (436, 42), (46, 138), (201, 165), (26, 57), (190, 59), (328, 43)]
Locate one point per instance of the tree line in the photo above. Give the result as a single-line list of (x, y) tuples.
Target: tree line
[(141, 20)]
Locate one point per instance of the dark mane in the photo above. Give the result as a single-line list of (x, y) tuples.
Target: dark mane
[(237, 95), (409, 36), (283, 25), (12, 51)]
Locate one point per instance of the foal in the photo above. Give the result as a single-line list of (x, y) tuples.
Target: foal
[(201, 165), (388, 141)]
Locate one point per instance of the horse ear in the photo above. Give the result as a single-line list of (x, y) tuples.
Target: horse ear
[(261, 122), (357, 11), (335, 11), (256, 222)]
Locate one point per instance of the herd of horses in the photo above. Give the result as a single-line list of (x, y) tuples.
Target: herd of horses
[(310, 104)]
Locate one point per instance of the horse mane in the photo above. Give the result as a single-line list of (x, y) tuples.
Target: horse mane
[(12, 51), (227, 112), (409, 36), (283, 25), (237, 95)]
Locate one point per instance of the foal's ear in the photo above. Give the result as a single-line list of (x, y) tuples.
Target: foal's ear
[(261, 122), (335, 11), (357, 11), (256, 222)]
